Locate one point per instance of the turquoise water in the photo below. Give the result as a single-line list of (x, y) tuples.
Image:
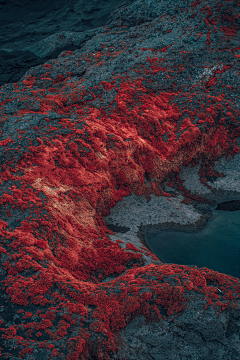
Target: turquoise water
[(216, 247)]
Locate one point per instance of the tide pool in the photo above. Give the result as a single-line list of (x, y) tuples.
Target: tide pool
[(216, 247)]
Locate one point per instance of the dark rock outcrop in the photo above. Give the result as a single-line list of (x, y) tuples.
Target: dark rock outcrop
[(233, 205), (84, 139)]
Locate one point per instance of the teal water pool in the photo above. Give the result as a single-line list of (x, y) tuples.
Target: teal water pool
[(216, 247)]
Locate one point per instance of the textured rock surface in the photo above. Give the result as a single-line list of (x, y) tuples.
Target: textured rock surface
[(25, 23), (138, 128)]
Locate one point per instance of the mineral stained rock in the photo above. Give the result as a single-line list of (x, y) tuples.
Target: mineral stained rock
[(143, 116)]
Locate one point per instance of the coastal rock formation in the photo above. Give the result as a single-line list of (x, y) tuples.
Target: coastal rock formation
[(136, 129)]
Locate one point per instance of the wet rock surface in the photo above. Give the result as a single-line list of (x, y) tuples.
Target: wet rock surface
[(135, 127)]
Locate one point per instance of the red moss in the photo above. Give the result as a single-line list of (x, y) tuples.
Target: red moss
[(70, 246)]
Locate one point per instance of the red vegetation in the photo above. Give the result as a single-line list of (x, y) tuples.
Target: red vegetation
[(82, 175)]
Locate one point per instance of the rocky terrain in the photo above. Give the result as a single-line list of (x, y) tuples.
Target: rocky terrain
[(136, 129)]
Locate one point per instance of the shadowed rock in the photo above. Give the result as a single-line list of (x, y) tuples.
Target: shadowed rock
[(233, 205)]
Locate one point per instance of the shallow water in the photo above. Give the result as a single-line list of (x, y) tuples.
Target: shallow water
[(216, 247)]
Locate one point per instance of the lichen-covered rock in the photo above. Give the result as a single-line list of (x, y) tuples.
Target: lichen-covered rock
[(142, 119)]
